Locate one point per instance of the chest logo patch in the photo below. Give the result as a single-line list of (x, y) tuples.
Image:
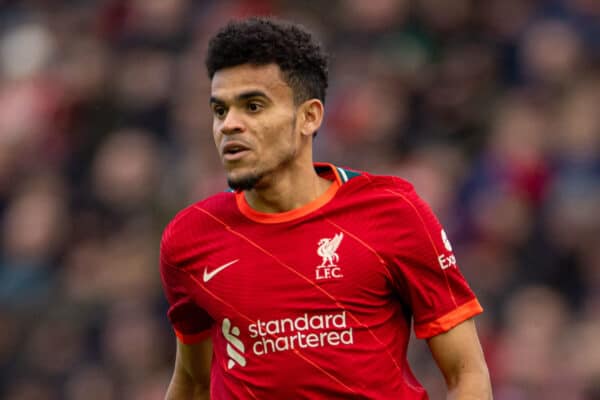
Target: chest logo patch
[(327, 250)]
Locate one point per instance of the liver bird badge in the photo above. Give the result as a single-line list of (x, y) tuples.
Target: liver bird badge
[(327, 250)]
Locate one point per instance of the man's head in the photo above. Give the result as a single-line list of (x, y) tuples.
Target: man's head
[(268, 84), (262, 41)]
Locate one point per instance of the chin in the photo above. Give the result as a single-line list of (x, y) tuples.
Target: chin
[(243, 182)]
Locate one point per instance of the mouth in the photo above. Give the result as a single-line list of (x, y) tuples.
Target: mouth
[(234, 151)]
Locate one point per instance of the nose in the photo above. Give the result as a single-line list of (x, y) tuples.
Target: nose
[(232, 123)]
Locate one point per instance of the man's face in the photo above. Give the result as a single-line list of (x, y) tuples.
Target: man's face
[(254, 123)]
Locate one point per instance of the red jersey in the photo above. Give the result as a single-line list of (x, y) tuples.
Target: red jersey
[(317, 302)]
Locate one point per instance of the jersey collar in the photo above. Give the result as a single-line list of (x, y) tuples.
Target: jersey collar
[(325, 170)]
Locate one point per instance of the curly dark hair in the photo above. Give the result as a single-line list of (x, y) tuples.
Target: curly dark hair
[(261, 41)]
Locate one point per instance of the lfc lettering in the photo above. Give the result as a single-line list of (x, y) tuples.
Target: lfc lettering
[(328, 272)]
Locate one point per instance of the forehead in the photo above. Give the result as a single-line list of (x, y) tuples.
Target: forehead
[(228, 83)]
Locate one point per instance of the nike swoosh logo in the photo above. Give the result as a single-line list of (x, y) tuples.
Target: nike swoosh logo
[(209, 275)]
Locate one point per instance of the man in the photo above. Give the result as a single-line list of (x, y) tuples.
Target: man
[(303, 282)]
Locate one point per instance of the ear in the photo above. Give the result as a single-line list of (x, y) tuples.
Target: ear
[(310, 116)]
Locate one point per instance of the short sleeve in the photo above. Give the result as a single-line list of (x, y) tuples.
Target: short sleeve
[(190, 322), (424, 268)]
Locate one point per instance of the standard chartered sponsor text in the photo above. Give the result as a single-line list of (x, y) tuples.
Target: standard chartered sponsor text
[(305, 331)]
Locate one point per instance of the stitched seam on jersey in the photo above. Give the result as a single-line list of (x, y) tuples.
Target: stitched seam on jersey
[(249, 391), (304, 357), (430, 239), (291, 269), (193, 278), (177, 219), (382, 261)]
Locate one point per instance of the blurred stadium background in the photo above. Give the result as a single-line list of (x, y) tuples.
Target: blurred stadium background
[(491, 108)]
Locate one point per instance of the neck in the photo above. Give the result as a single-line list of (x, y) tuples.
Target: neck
[(287, 189)]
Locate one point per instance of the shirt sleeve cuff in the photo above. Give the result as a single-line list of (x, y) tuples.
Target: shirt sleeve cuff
[(192, 338), (449, 320)]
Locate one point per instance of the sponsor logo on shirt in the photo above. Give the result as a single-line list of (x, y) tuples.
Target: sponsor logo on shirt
[(328, 251), (318, 330), (302, 332), (235, 347), (446, 261)]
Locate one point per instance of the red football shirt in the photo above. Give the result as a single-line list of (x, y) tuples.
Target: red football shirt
[(316, 302)]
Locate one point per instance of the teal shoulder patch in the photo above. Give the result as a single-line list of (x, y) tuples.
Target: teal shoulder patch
[(347, 174)]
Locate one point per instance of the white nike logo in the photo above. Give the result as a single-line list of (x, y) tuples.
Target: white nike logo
[(209, 275)]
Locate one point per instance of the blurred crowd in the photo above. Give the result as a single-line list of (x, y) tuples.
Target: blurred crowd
[(491, 108)]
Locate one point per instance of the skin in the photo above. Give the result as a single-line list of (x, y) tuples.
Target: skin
[(191, 375), (459, 357), (253, 108)]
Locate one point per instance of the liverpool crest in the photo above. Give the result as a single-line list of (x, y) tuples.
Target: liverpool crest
[(327, 249)]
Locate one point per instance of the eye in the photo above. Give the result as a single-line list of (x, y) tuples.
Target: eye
[(254, 106), (219, 111)]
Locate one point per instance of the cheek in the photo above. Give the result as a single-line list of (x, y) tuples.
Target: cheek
[(283, 143), (216, 134), (277, 135)]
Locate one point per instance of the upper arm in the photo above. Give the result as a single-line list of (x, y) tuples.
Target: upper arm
[(427, 277), (194, 360), (191, 375), (424, 269), (191, 323), (189, 319), (459, 356)]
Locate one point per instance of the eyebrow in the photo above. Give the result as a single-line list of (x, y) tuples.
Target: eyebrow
[(242, 96)]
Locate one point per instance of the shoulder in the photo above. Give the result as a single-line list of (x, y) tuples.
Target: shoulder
[(198, 214), (379, 186), (386, 197)]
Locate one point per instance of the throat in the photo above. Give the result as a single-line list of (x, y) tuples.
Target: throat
[(287, 196)]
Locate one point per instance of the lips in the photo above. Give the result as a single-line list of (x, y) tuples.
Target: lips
[(234, 150)]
